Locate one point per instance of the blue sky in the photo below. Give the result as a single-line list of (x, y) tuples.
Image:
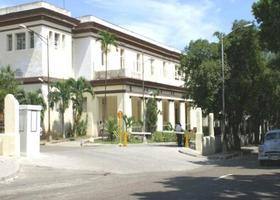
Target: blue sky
[(171, 22)]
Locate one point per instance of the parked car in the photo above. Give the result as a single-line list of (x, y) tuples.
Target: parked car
[(270, 148)]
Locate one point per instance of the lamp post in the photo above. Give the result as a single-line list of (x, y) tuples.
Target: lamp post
[(223, 125), (46, 41)]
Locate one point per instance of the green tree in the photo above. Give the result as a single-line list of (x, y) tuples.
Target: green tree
[(246, 67), (267, 14), (201, 65), (107, 40), (60, 94), (8, 84), (33, 98), (151, 115), (77, 89)]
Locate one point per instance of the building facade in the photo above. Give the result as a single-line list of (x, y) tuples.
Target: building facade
[(137, 68)]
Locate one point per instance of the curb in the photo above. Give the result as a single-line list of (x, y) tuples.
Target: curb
[(212, 157), (13, 174)]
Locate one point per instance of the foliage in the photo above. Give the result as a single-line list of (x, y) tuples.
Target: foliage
[(128, 122), (81, 127), (60, 95), (267, 14), (8, 85), (107, 39), (33, 98), (77, 90), (151, 115), (163, 137), (168, 127), (111, 126), (201, 65)]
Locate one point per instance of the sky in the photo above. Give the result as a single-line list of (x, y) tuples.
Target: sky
[(172, 22)]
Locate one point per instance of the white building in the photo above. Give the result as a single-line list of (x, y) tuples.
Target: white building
[(74, 51)]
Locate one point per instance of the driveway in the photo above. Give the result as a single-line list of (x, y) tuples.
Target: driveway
[(137, 158)]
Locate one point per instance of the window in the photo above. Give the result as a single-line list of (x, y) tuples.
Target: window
[(152, 67), (20, 41), (50, 36), (10, 42), (31, 40), (138, 62), (63, 41), (164, 69), (122, 58), (56, 39)]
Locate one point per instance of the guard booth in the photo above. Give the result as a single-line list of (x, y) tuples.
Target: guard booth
[(29, 129)]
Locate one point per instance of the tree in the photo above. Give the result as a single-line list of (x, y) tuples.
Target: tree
[(267, 14), (77, 89), (107, 39), (8, 84), (246, 67), (201, 65), (60, 95), (33, 98), (151, 115)]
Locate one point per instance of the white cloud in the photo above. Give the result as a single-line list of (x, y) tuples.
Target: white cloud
[(172, 22)]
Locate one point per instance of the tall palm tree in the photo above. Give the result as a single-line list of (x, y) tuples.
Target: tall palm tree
[(107, 39), (60, 95), (77, 89)]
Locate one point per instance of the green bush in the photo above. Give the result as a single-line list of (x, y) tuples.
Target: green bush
[(111, 127), (163, 137)]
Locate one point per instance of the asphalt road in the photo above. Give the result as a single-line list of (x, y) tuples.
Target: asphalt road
[(239, 178)]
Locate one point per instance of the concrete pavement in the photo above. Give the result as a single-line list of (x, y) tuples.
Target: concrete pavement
[(8, 167), (136, 158)]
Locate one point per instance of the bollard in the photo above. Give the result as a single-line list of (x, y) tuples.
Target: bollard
[(125, 136)]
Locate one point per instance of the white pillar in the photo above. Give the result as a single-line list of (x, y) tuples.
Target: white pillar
[(199, 120), (93, 113), (171, 113), (124, 104), (199, 133), (183, 115), (10, 141), (192, 119), (211, 124), (160, 118)]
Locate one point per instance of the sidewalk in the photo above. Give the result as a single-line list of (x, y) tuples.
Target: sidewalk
[(8, 167), (216, 156)]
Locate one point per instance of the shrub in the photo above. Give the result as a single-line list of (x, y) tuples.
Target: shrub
[(111, 126), (163, 137)]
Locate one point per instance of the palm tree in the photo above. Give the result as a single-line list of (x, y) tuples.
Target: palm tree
[(61, 96), (77, 89), (107, 39)]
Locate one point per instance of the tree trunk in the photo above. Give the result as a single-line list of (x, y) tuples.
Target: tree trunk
[(62, 125)]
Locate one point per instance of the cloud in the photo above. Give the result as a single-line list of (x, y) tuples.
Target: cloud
[(172, 22)]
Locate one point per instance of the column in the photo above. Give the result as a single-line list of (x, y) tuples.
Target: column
[(124, 104), (171, 108), (160, 117), (211, 124), (192, 118), (199, 133), (183, 115)]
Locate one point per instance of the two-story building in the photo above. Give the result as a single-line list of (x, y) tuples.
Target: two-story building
[(137, 67)]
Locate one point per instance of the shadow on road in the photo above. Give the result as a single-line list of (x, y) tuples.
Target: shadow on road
[(247, 158), (233, 187)]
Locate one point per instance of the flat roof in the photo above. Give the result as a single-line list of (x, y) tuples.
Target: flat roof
[(33, 5)]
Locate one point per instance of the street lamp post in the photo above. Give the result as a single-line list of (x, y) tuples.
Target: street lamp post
[(46, 41), (223, 125)]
